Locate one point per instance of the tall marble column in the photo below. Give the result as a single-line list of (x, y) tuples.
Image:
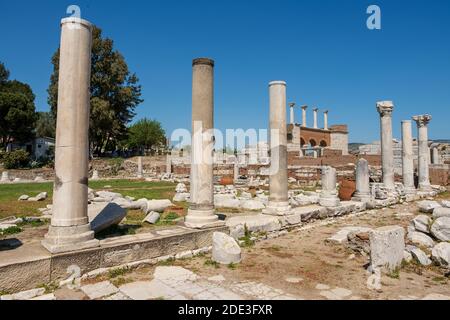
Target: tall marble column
[(292, 119), (325, 120), (304, 123), (70, 228), (362, 181), (424, 173), (408, 157), (278, 198), (201, 210), (316, 124), (436, 156), (329, 196), (385, 109)]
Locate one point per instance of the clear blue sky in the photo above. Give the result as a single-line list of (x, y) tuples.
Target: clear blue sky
[(322, 48)]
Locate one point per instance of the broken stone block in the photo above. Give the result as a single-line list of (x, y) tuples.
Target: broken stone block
[(40, 197), (181, 197), (24, 197), (419, 256), (386, 247), (342, 236), (257, 223), (359, 242), (422, 223), (99, 290), (225, 249), (252, 205), (441, 229), (181, 188), (158, 205), (441, 212), (105, 215), (152, 217), (441, 254), (237, 232), (420, 239), (445, 203), (428, 206)]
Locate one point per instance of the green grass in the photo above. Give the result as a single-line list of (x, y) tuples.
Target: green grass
[(9, 193), (212, 263), (10, 231)]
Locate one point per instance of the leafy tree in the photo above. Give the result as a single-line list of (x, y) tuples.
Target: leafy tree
[(146, 134), (17, 110), (115, 94), (45, 125)]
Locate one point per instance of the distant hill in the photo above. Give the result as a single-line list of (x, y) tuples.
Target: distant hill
[(442, 141)]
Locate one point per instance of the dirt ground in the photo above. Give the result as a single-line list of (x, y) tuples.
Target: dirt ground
[(304, 254)]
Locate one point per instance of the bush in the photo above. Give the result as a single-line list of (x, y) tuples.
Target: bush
[(15, 160)]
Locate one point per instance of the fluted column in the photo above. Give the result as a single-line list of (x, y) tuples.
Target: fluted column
[(278, 198), (424, 151), (70, 228), (385, 109), (201, 210), (408, 157)]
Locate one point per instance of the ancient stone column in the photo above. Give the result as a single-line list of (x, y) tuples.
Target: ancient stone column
[(362, 181), (436, 156), (291, 106), (316, 125), (325, 120), (236, 172), (140, 171), (201, 209), (278, 185), (329, 195), (385, 109), (304, 124), (169, 163), (424, 174), (70, 228), (95, 175), (408, 157)]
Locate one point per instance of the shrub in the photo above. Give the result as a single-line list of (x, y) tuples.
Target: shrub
[(15, 160)]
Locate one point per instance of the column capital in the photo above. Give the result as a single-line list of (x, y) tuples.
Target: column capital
[(304, 107), (292, 104), (316, 109), (326, 112), (277, 83), (422, 120), (205, 61), (385, 108)]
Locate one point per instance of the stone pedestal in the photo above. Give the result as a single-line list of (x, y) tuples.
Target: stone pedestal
[(95, 175), (278, 198), (329, 195), (363, 193), (140, 171), (70, 228), (424, 152), (385, 109), (408, 157), (201, 210)]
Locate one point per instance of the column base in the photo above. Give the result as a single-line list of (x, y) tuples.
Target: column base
[(202, 219), (66, 239), (425, 187), (410, 191), (277, 208), (330, 202), (362, 197)]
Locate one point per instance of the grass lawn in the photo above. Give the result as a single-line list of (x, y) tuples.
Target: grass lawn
[(9, 193)]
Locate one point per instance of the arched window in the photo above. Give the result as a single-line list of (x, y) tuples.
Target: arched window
[(302, 142), (313, 143), (323, 143)]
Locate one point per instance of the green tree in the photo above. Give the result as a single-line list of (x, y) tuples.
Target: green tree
[(45, 125), (146, 134), (17, 110), (115, 94)]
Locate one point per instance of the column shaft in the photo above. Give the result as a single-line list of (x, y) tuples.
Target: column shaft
[(424, 152), (408, 157), (385, 109)]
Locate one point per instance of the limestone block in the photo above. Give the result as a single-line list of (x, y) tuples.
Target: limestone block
[(181, 197), (225, 249), (342, 235), (441, 212), (256, 223), (309, 212), (105, 215), (445, 203), (181, 188), (419, 256), (24, 197), (441, 229), (40, 197), (421, 239), (428, 206), (422, 223), (386, 247), (108, 196), (441, 254), (99, 290), (252, 205)]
